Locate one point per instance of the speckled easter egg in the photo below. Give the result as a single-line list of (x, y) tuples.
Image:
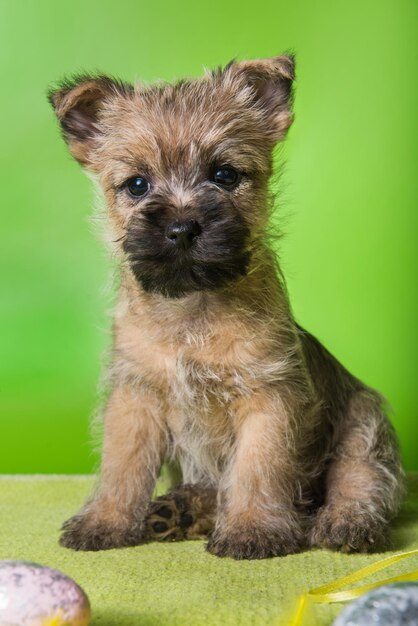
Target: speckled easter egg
[(33, 595), (389, 605)]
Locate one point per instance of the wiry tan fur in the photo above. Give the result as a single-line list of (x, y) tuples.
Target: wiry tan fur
[(278, 444)]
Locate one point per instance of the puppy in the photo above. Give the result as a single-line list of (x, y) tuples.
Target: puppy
[(279, 445)]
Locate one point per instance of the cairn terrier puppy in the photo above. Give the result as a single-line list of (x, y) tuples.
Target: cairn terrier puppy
[(279, 446)]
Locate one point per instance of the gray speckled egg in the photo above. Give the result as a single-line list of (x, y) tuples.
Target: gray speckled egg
[(389, 605), (34, 595)]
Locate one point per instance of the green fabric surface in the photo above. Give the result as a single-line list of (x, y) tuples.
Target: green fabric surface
[(177, 584)]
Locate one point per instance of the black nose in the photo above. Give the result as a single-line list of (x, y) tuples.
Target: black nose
[(182, 234)]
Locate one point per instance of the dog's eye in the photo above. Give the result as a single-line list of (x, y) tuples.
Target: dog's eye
[(225, 176), (137, 186)]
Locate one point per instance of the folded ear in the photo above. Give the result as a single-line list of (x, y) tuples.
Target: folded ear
[(271, 82), (78, 104)]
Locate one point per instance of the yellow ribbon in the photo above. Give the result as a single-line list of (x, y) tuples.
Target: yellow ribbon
[(332, 592)]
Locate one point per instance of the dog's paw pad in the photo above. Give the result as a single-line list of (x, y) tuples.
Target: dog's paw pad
[(159, 527), (165, 512), (167, 519), (186, 520)]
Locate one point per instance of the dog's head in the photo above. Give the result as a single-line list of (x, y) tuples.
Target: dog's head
[(184, 167)]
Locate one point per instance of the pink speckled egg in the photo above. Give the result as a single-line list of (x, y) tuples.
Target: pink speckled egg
[(34, 595)]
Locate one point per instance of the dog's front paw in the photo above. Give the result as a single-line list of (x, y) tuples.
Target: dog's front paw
[(83, 533), (349, 528), (255, 542)]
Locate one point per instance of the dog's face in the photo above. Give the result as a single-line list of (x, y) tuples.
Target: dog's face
[(184, 167)]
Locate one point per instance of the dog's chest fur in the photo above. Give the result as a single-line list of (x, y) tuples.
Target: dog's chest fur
[(204, 405), (203, 376)]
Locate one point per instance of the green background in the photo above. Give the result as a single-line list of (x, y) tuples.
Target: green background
[(348, 196)]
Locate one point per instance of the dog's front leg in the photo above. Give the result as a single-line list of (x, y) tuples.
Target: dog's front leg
[(133, 450), (256, 514)]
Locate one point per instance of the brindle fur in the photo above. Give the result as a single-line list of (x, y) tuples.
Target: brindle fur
[(279, 445)]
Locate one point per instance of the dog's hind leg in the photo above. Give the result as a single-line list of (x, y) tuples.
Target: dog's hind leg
[(364, 481), (186, 512)]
